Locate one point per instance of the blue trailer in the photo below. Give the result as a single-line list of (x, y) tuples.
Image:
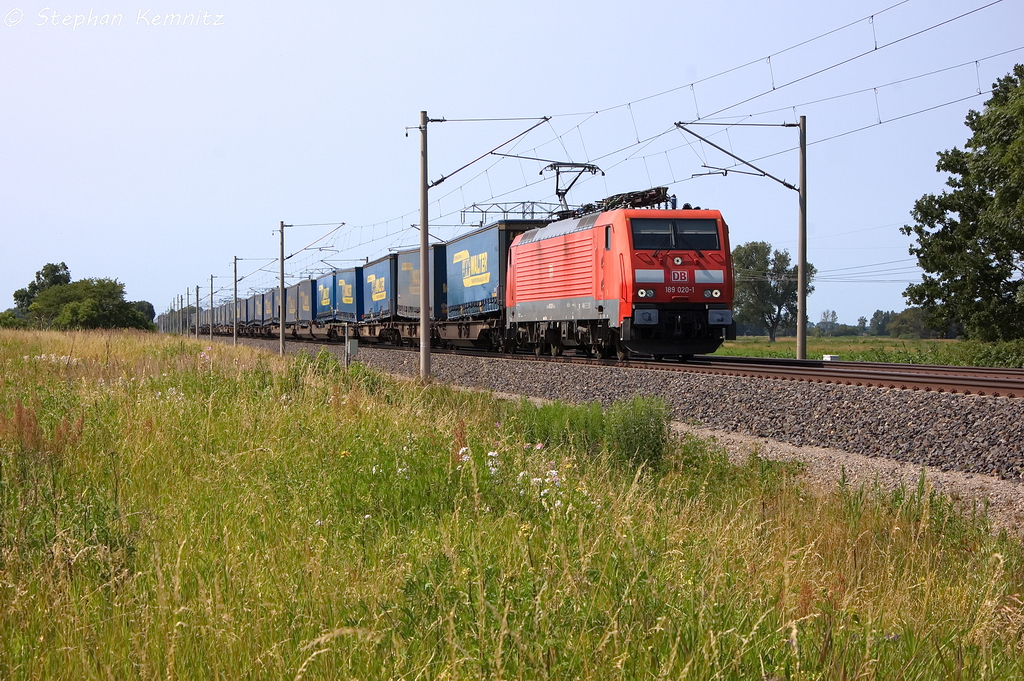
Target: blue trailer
[(348, 296), (475, 268), (409, 283), (326, 308), (378, 288)]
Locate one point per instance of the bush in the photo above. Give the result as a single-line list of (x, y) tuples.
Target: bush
[(636, 432)]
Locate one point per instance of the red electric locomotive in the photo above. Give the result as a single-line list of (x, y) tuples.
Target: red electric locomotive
[(654, 282)]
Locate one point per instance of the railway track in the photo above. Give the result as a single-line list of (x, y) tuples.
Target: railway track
[(929, 378), (943, 379)]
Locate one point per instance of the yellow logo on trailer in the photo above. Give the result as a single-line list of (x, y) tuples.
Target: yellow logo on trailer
[(474, 268), (345, 292), (378, 287), (325, 295)]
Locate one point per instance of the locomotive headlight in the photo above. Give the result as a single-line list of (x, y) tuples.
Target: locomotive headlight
[(650, 293), (677, 260), (707, 293), (715, 293), (642, 293)]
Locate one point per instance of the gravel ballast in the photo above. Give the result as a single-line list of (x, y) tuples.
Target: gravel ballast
[(950, 432)]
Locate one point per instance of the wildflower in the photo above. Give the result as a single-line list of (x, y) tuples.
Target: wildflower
[(345, 453), (539, 445), (464, 454), (536, 482)]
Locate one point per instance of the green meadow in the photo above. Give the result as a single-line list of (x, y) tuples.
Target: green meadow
[(884, 349), (171, 510)]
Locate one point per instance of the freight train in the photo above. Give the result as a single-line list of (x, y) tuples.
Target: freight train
[(634, 276)]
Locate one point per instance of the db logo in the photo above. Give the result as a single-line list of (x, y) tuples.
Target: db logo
[(680, 275)]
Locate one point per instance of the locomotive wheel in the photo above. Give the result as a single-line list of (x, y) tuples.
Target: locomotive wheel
[(659, 358), (602, 351), (685, 358), (621, 352)]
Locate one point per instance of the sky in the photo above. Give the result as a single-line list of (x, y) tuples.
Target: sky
[(155, 141)]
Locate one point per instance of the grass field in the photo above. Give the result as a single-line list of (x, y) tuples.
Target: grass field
[(169, 510), (884, 349)]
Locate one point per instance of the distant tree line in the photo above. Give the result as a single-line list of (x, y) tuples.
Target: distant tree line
[(53, 301)]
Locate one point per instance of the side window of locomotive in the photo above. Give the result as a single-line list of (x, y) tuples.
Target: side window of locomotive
[(657, 234), (607, 237)]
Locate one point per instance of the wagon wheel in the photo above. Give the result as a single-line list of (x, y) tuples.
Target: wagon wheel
[(538, 349), (659, 358), (602, 351), (556, 349)]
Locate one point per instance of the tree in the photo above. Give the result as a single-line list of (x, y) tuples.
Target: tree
[(829, 322), (87, 304), (10, 320), (146, 308), (766, 287), (879, 325), (51, 275), (862, 325), (970, 240), (911, 323)]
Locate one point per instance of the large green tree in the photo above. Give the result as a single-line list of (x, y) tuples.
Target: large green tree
[(766, 287), (51, 275), (87, 304), (970, 239)]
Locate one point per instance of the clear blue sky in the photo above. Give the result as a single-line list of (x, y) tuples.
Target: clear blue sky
[(153, 149)]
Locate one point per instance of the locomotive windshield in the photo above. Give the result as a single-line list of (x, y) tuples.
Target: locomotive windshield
[(665, 234)]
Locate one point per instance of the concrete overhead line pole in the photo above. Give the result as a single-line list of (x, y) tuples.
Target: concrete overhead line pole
[(280, 296), (424, 256), (801, 275), (801, 301), (185, 328), (211, 309), (197, 311), (234, 308)]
